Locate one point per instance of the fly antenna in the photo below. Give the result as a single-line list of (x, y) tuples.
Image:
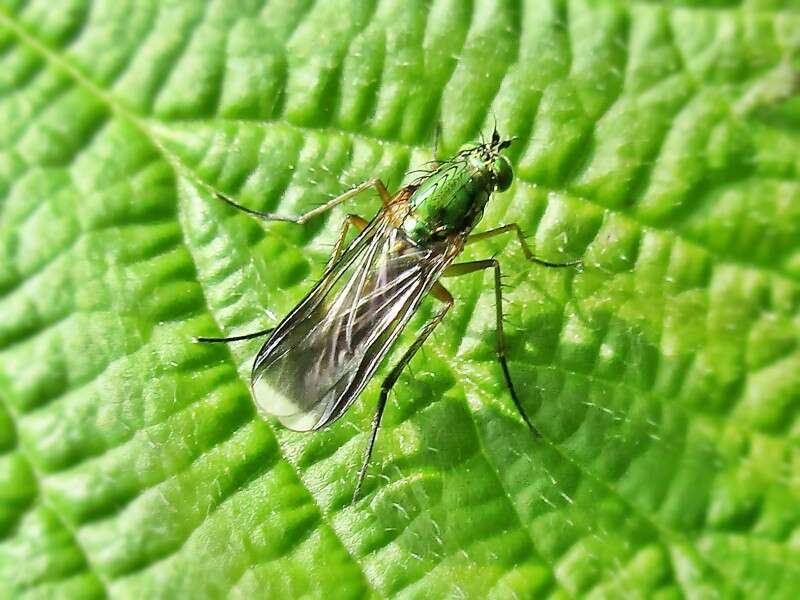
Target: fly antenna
[(437, 137), (507, 143)]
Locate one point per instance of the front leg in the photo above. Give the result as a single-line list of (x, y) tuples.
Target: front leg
[(526, 250), (267, 216)]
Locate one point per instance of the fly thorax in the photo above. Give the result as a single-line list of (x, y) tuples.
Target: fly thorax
[(450, 201)]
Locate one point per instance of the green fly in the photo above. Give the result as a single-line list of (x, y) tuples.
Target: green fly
[(320, 357)]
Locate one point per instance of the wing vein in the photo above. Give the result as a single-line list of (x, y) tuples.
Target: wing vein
[(323, 354)]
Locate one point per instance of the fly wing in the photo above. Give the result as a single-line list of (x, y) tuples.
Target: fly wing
[(324, 352)]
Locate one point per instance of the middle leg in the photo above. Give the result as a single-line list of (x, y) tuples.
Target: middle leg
[(351, 221)]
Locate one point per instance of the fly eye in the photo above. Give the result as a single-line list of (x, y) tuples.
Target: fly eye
[(503, 173)]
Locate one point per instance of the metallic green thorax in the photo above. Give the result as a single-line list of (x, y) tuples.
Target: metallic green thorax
[(452, 198)]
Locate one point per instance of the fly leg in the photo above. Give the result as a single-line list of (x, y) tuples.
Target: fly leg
[(437, 136), (267, 216), (351, 221), (235, 338), (440, 293), (478, 265), (526, 250)]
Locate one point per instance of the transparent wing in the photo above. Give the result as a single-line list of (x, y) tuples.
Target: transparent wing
[(324, 352)]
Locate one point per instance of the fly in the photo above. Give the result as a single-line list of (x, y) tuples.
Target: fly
[(320, 357)]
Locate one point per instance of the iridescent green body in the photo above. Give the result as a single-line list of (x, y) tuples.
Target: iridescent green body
[(320, 357), (453, 197)]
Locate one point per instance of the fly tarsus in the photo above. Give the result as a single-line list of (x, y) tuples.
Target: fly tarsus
[(235, 338), (513, 392), (526, 249), (264, 216)]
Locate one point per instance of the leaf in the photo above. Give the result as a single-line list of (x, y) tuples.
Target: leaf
[(657, 141)]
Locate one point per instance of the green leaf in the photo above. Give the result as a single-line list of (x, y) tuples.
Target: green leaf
[(657, 141)]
